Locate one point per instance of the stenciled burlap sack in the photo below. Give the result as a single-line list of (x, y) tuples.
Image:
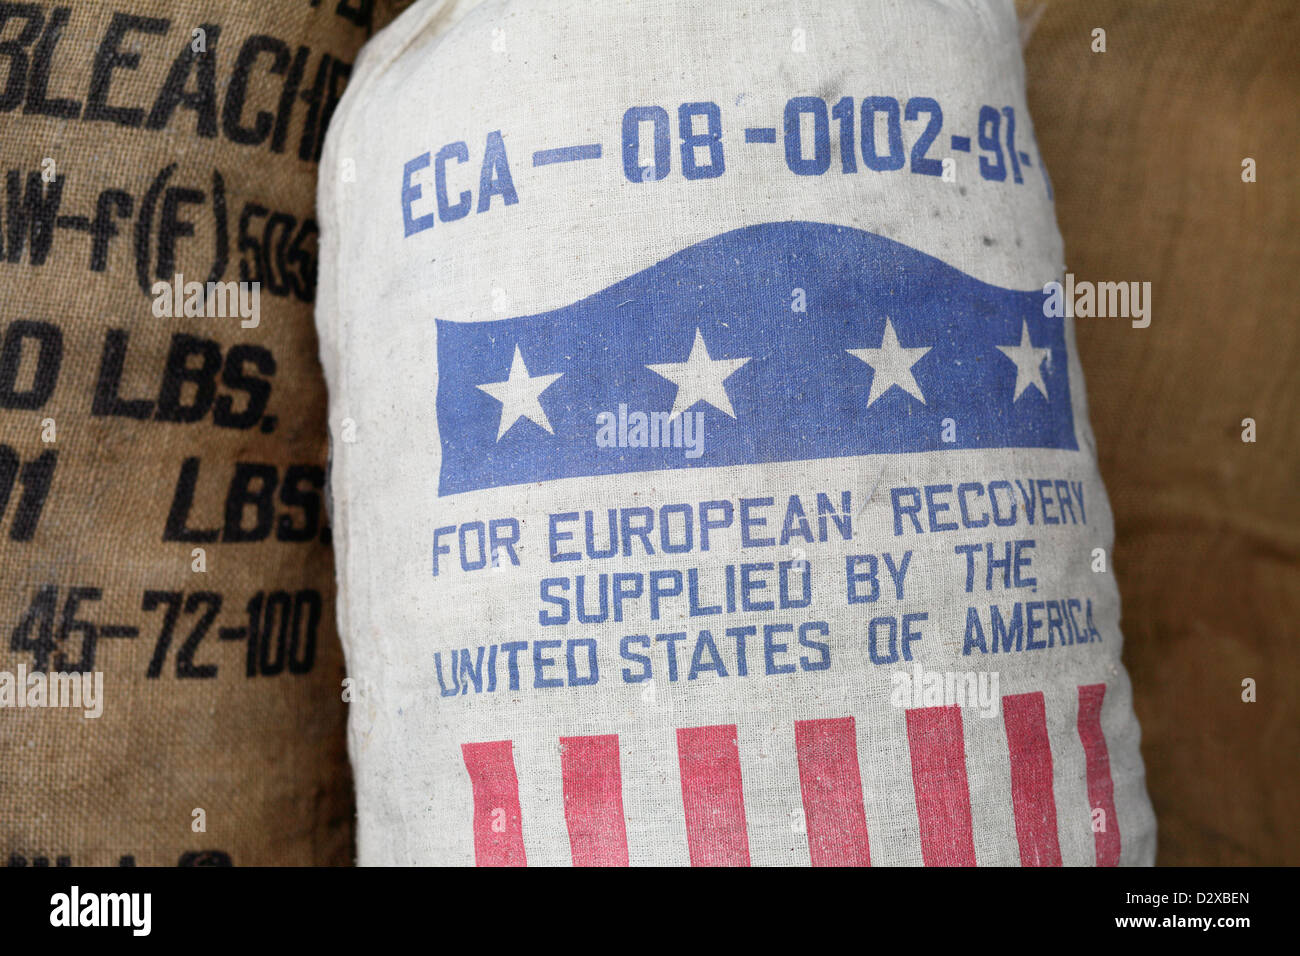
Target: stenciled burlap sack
[(712, 474), (162, 449), (1148, 144)]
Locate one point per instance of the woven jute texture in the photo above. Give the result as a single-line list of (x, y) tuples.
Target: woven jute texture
[(1146, 144), (140, 142)]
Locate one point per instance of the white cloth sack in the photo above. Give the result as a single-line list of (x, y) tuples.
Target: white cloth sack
[(712, 477)]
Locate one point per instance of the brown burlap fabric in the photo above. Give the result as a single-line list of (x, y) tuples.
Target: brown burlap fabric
[(140, 141), (1145, 144)]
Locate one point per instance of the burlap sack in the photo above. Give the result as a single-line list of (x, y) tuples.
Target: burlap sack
[(140, 142), (713, 480), (1146, 144)]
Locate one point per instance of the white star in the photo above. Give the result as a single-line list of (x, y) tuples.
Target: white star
[(699, 379), (1029, 363), (891, 365), (519, 395)]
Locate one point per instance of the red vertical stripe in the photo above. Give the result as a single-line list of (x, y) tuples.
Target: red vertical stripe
[(832, 792), (593, 800), (498, 823), (1032, 797), (713, 796), (934, 735), (1101, 791)]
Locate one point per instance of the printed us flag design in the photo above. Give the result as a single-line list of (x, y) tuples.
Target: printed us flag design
[(891, 343), (831, 791)]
